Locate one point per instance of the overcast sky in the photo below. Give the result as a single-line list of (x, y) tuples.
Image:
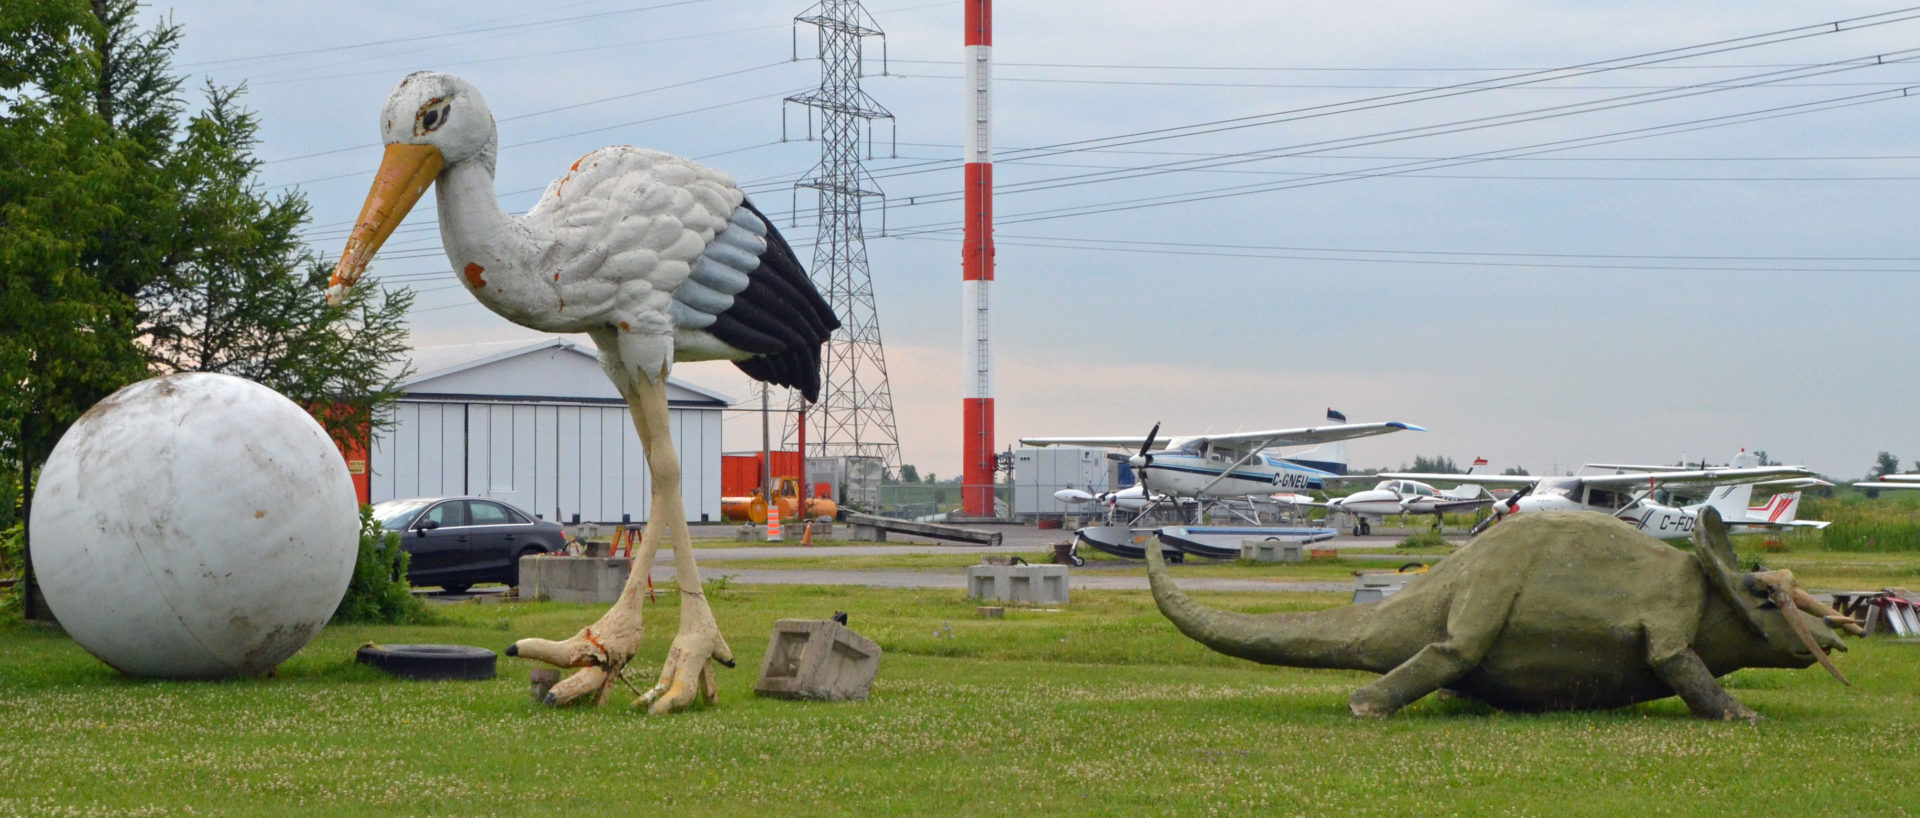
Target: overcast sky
[(1400, 210)]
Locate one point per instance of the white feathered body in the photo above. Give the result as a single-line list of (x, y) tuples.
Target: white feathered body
[(606, 249)]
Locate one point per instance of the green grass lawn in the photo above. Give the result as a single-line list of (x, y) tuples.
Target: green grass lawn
[(1100, 708)]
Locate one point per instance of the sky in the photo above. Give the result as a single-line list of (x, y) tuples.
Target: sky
[(1551, 233)]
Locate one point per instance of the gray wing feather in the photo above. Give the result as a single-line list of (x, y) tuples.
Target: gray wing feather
[(720, 273)]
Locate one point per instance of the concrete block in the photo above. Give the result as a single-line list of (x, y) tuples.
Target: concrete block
[(817, 659), (1375, 587), (1272, 551), (1034, 584), (574, 579), (748, 533), (868, 533)]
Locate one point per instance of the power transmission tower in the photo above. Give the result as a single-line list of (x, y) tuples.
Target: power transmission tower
[(855, 412)]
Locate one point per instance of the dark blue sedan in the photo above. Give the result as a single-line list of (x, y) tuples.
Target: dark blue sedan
[(459, 542)]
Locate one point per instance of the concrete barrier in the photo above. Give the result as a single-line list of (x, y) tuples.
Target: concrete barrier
[(1375, 587), (1035, 584), (817, 659), (1272, 551), (574, 579)]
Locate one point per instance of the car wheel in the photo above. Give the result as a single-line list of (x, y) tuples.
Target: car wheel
[(430, 662), (456, 588)]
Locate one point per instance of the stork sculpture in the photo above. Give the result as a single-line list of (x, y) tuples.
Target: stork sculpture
[(657, 259)]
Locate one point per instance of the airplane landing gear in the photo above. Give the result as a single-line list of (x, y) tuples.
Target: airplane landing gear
[(1361, 528)]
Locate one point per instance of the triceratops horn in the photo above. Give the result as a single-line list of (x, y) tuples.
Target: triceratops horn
[(1783, 599)]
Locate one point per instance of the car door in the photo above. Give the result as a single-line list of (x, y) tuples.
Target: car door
[(439, 543), (497, 534)]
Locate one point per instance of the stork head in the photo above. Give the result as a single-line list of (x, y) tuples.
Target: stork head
[(431, 121)]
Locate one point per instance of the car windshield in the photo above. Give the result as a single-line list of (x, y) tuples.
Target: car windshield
[(395, 514)]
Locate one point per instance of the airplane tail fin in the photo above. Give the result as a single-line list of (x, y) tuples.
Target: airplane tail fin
[(1746, 460), (1731, 501), (1781, 508), (1327, 457)]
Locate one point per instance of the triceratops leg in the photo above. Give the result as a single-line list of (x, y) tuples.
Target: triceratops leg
[(1683, 671), (1474, 620)]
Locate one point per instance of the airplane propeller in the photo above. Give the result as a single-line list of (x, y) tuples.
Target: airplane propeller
[(1141, 461), (1502, 509)]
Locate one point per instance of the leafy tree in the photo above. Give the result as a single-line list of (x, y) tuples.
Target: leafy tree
[(1883, 465), (1515, 471), (135, 243), (909, 474)]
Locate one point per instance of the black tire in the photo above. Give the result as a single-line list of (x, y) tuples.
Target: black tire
[(456, 588), (430, 662), (1365, 528)]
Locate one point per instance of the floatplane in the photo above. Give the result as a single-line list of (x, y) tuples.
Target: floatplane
[(1202, 470)]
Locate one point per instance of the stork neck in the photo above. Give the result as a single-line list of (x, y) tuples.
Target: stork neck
[(470, 214)]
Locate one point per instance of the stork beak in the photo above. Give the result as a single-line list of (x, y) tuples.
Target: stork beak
[(405, 173)]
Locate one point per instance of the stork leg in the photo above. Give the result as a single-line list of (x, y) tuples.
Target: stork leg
[(602, 649), (688, 671)]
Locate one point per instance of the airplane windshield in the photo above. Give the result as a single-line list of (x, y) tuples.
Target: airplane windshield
[(1189, 446), (1569, 489)]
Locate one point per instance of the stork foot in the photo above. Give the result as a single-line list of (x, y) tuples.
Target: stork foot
[(599, 651), (687, 675)]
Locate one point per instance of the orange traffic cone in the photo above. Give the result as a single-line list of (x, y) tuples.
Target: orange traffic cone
[(806, 537), (773, 525)]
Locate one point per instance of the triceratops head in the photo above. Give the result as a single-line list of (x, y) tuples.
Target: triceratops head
[(1770, 602)]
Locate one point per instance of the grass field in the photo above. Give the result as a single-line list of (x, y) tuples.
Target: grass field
[(1100, 708)]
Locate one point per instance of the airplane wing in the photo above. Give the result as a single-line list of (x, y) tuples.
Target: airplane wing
[(1502, 480), (1241, 442), (1633, 467), (1244, 442), (1900, 485), (1696, 477), (1456, 506), (1122, 442)]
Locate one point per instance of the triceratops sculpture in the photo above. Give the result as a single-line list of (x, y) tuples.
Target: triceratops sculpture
[(1548, 611)]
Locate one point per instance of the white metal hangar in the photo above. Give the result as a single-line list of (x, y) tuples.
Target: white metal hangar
[(539, 425)]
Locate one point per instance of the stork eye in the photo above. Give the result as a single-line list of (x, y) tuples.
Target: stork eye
[(432, 115)]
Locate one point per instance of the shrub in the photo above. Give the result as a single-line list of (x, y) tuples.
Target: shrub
[(1430, 539), (13, 563), (379, 592)]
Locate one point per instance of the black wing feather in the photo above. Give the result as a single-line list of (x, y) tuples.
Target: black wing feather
[(779, 317)]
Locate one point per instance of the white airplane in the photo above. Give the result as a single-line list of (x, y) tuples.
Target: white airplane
[(1629, 496), (1395, 497), (1212, 467)]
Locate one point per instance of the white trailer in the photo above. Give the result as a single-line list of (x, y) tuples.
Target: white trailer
[(1039, 471)]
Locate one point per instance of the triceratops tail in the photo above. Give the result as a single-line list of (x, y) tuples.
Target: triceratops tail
[(1298, 640)]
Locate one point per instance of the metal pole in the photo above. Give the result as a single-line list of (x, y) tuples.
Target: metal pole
[(800, 504), (766, 450)]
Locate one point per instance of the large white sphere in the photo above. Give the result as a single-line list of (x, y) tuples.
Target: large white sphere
[(194, 526)]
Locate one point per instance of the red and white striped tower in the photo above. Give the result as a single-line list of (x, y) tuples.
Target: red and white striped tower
[(976, 264)]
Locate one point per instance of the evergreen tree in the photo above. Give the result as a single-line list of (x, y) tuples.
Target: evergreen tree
[(1434, 465), (135, 241)]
